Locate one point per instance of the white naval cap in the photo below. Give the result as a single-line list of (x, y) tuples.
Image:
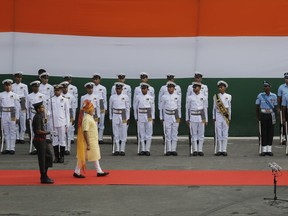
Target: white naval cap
[(18, 73), (143, 74), (222, 82), (265, 83), (196, 83), (197, 73), (89, 85), (64, 84), (170, 75), (57, 86), (121, 74), (7, 81), (43, 74), (118, 84), (170, 84), (95, 75), (144, 85), (67, 76), (36, 82)]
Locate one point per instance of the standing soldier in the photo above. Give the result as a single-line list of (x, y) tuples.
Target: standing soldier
[(72, 89), (34, 97), (72, 114), (93, 98), (58, 114), (222, 117), (138, 89), (101, 93), (119, 114), (144, 112), (126, 88), (9, 116), (196, 118), (170, 115), (198, 79), (266, 104), (21, 90), (282, 91)]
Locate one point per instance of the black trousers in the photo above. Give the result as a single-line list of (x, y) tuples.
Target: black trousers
[(45, 158), (267, 129)]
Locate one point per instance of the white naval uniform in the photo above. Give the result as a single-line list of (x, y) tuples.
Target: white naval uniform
[(196, 114), (101, 91), (21, 90), (58, 115), (137, 91), (74, 91), (170, 104), (117, 105), (221, 125), (203, 90), (164, 90), (10, 105), (144, 125), (72, 115), (48, 91), (126, 90), (95, 101)]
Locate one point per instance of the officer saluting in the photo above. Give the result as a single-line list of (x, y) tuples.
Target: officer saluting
[(170, 115), (119, 114), (266, 104), (9, 116), (144, 113)]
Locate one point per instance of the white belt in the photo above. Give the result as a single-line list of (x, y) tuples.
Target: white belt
[(170, 112), (117, 111), (7, 109), (195, 112), (266, 111)]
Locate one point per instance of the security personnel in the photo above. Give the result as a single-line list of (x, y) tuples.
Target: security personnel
[(9, 115), (163, 90), (21, 90), (45, 157), (93, 98), (72, 89), (196, 118), (282, 91), (138, 89), (222, 116), (101, 93), (119, 114), (266, 104), (126, 88), (204, 88), (34, 97), (58, 115), (170, 115), (144, 113), (72, 114)]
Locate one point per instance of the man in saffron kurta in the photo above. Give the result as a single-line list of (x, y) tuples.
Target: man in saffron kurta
[(87, 141)]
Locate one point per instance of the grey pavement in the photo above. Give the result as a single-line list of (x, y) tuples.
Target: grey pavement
[(141, 200)]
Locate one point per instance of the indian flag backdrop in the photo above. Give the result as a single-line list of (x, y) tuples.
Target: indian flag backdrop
[(241, 41)]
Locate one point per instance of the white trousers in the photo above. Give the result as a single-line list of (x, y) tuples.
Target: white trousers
[(9, 130), (171, 135), (60, 137), (197, 130), (119, 134), (221, 127), (21, 128), (101, 126)]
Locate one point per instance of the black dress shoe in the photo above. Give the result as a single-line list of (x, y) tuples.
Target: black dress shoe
[(195, 153), (72, 141), (122, 153), (263, 154), (5, 152), (21, 141), (56, 160), (174, 153), (142, 153), (147, 153), (11, 152), (17, 141), (67, 153), (200, 153), (101, 142), (61, 160), (78, 175), (224, 154), (168, 153), (116, 153), (218, 154), (34, 152), (269, 153), (102, 174), (47, 180)]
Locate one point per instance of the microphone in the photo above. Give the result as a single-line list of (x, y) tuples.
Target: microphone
[(275, 167)]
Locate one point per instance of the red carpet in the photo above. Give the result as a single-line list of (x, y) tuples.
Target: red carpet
[(148, 177)]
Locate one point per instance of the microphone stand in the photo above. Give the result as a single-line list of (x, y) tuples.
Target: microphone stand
[(275, 174)]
